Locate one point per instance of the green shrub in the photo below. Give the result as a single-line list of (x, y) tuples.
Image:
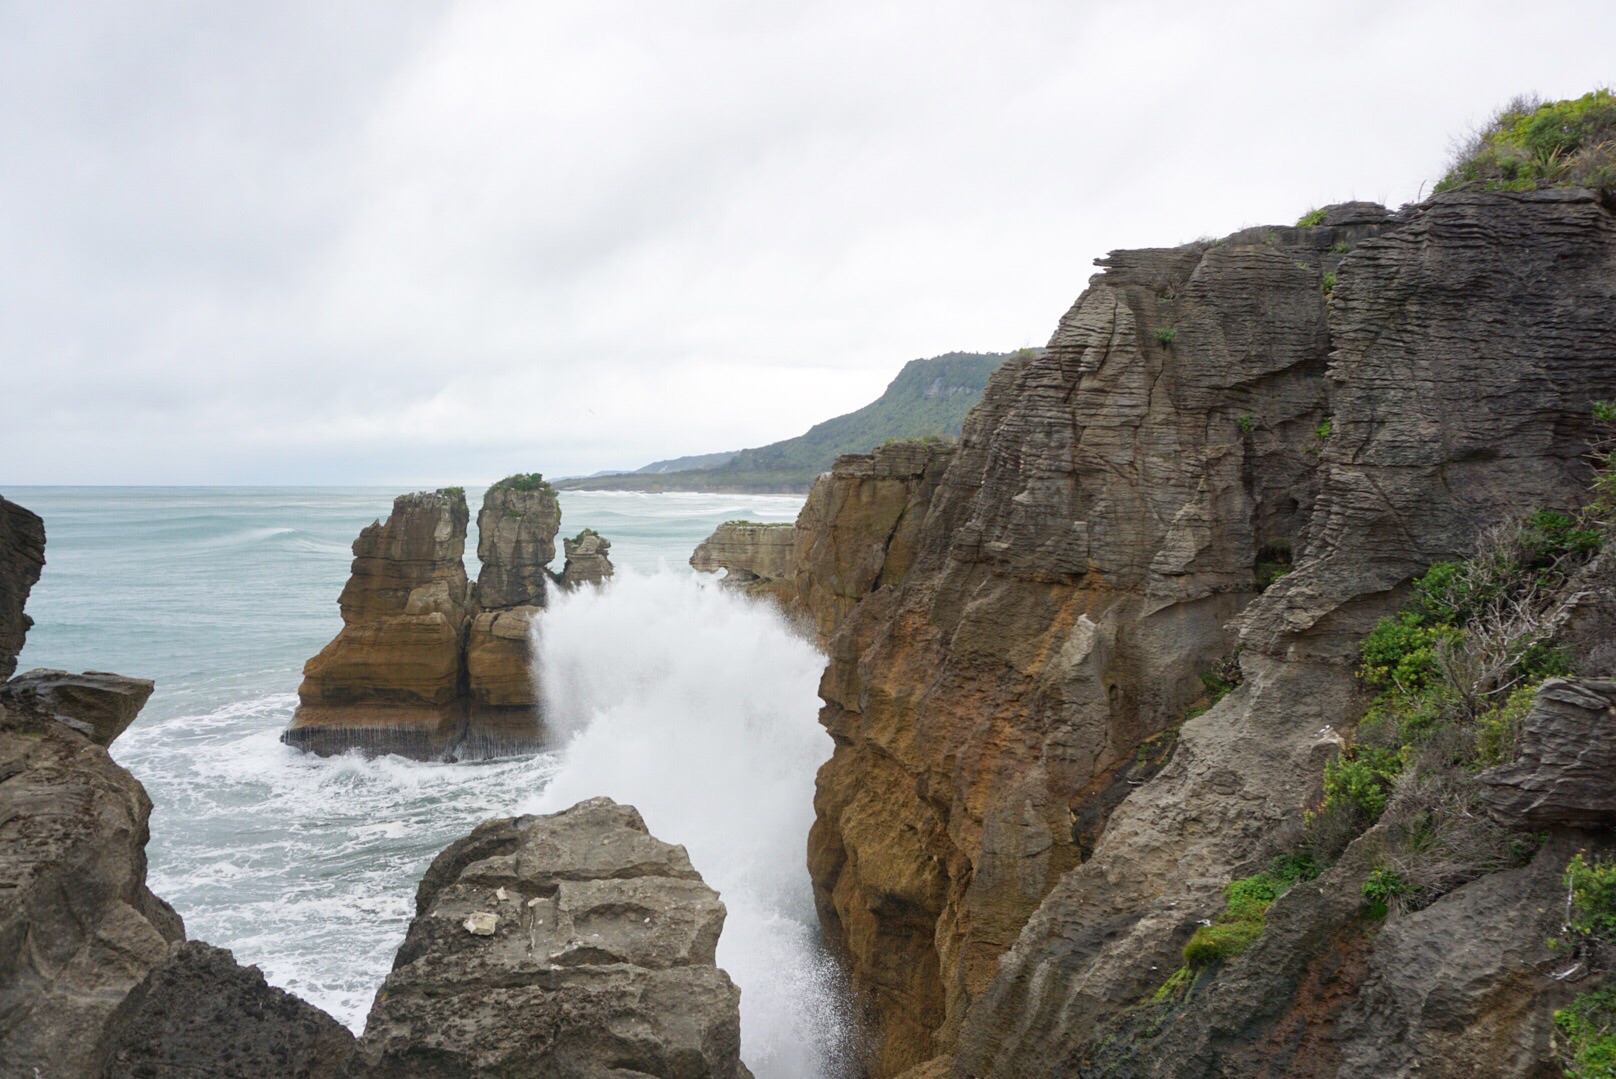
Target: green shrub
[(1400, 651), (1245, 423), (1220, 941), (1166, 335), (1245, 910), (1531, 144), (1589, 1026), (1310, 219), (1593, 897), (452, 492), (1327, 282), (1340, 247), (1362, 781), (1324, 430), (1381, 887), (1604, 411), (524, 481)]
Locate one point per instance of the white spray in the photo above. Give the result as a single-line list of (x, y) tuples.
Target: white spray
[(699, 707)]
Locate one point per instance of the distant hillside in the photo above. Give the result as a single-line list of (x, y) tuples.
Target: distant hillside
[(928, 398)]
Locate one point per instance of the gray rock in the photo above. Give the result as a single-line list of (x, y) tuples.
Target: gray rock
[(78, 927), (22, 556), (1564, 774), (199, 1013), (98, 705), (600, 961), (516, 531)]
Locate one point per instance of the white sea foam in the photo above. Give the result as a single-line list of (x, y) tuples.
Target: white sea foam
[(699, 707)]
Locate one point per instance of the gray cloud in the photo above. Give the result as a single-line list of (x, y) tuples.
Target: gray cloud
[(411, 242)]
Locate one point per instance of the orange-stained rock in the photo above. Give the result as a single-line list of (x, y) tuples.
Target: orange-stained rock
[(499, 658)]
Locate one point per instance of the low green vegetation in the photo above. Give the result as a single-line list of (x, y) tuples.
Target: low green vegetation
[(1245, 423), (1310, 219), (1589, 1021), (1340, 247), (1166, 335), (452, 492), (1327, 282), (742, 523), (525, 481), (1532, 143), (1245, 911)]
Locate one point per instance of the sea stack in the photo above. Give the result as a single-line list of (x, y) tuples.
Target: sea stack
[(394, 677), (428, 665)]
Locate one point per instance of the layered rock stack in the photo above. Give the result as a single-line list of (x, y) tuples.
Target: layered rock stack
[(760, 559), (587, 561), (394, 677), (570, 944), (427, 665)]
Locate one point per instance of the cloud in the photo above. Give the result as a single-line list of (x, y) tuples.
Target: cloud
[(343, 242)]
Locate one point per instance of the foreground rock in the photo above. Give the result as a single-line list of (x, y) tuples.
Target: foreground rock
[(571, 944), (78, 927), (200, 1013)]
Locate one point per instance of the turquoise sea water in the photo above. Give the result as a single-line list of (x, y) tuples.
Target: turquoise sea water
[(307, 866)]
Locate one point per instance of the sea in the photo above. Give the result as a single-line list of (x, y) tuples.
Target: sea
[(664, 690)]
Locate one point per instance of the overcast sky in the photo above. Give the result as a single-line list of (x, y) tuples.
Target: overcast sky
[(413, 241)]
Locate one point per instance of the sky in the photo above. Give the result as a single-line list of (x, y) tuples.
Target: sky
[(439, 241)]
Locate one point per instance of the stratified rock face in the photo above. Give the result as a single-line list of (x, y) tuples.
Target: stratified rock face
[(857, 531), (1198, 410), (571, 944), (516, 531), (200, 1013), (1565, 773), (78, 927), (394, 677), (98, 705), (587, 559), (759, 558), (1468, 339), (22, 556)]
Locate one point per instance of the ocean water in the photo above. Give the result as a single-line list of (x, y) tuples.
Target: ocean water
[(664, 691)]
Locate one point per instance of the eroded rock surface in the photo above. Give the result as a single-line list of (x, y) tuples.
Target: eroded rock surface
[(97, 704), (759, 558), (569, 944), (1200, 412), (516, 530), (394, 677), (22, 556), (588, 561), (200, 1013), (1565, 773)]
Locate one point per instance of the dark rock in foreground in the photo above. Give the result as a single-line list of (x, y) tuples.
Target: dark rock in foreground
[(200, 1013), (571, 944), (22, 556), (97, 704)]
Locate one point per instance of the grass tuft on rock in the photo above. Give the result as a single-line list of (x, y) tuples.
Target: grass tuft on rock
[(1532, 143)]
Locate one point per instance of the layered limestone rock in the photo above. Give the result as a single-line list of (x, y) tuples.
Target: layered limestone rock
[(1200, 410), (97, 704), (757, 558), (516, 530), (569, 944), (587, 559), (22, 556), (1565, 773), (394, 677), (425, 665)]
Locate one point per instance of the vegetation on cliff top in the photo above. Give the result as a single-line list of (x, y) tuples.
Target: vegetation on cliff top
[(524, 481), (1532, 143)]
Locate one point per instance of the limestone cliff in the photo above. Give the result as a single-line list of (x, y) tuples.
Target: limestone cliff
[(22, 556), (759, 559), (1357, 398)]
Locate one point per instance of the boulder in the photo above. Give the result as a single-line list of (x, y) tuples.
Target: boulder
[(201, 1013), (22, 556), (568, 944), (587, 561), (1564, 773), (97, 704)]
